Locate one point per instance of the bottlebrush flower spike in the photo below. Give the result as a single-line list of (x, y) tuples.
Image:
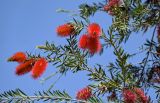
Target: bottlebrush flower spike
[(25, 67), (18, 57), (141, 96), (112, 3), (129, 96), (39, 67), (84, 94), (83, 41), (94, 45), (94, 30), (65, 30)]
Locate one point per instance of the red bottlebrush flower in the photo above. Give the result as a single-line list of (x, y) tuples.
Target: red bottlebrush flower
[(84, 94), (141, 96), (94, 45), (129, 96), (94, 30), (18, 57), (83, 41), (39, 67), (25, 67), (65, 30), (112, 3)]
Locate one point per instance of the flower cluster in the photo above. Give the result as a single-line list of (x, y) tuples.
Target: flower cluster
[(91, 40), (65, 30), (112, 3), (36, 65), (131, 96), (88, 41), (84, 94)]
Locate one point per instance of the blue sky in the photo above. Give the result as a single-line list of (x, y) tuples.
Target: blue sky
[(24, 24)]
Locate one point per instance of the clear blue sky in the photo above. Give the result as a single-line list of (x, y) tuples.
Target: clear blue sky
[(24, 24)]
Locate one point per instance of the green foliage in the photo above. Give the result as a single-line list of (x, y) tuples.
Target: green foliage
[(19, 96), (94, 100), (127, 18), (13, 96), (65, 58), (55, 96), (98, 74), (88, 10)]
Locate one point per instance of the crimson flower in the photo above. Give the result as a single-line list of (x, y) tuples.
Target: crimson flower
[(25, 67), (136, 94), (83, 41), (94, 45), (91, 40), (18, 57), (141, 96), (84, 93), (65, 30), (94, 30), (39, 67), (129, 96), (111, 4)]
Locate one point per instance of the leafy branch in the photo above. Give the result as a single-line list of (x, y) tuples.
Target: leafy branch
[(148, 53), (19, 96), (66, 57)]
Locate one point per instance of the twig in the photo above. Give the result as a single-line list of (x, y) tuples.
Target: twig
[(148, 52), (33, 98), (55, 82)]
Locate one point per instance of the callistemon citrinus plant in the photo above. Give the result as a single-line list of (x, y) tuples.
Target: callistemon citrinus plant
[(124, 79)]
